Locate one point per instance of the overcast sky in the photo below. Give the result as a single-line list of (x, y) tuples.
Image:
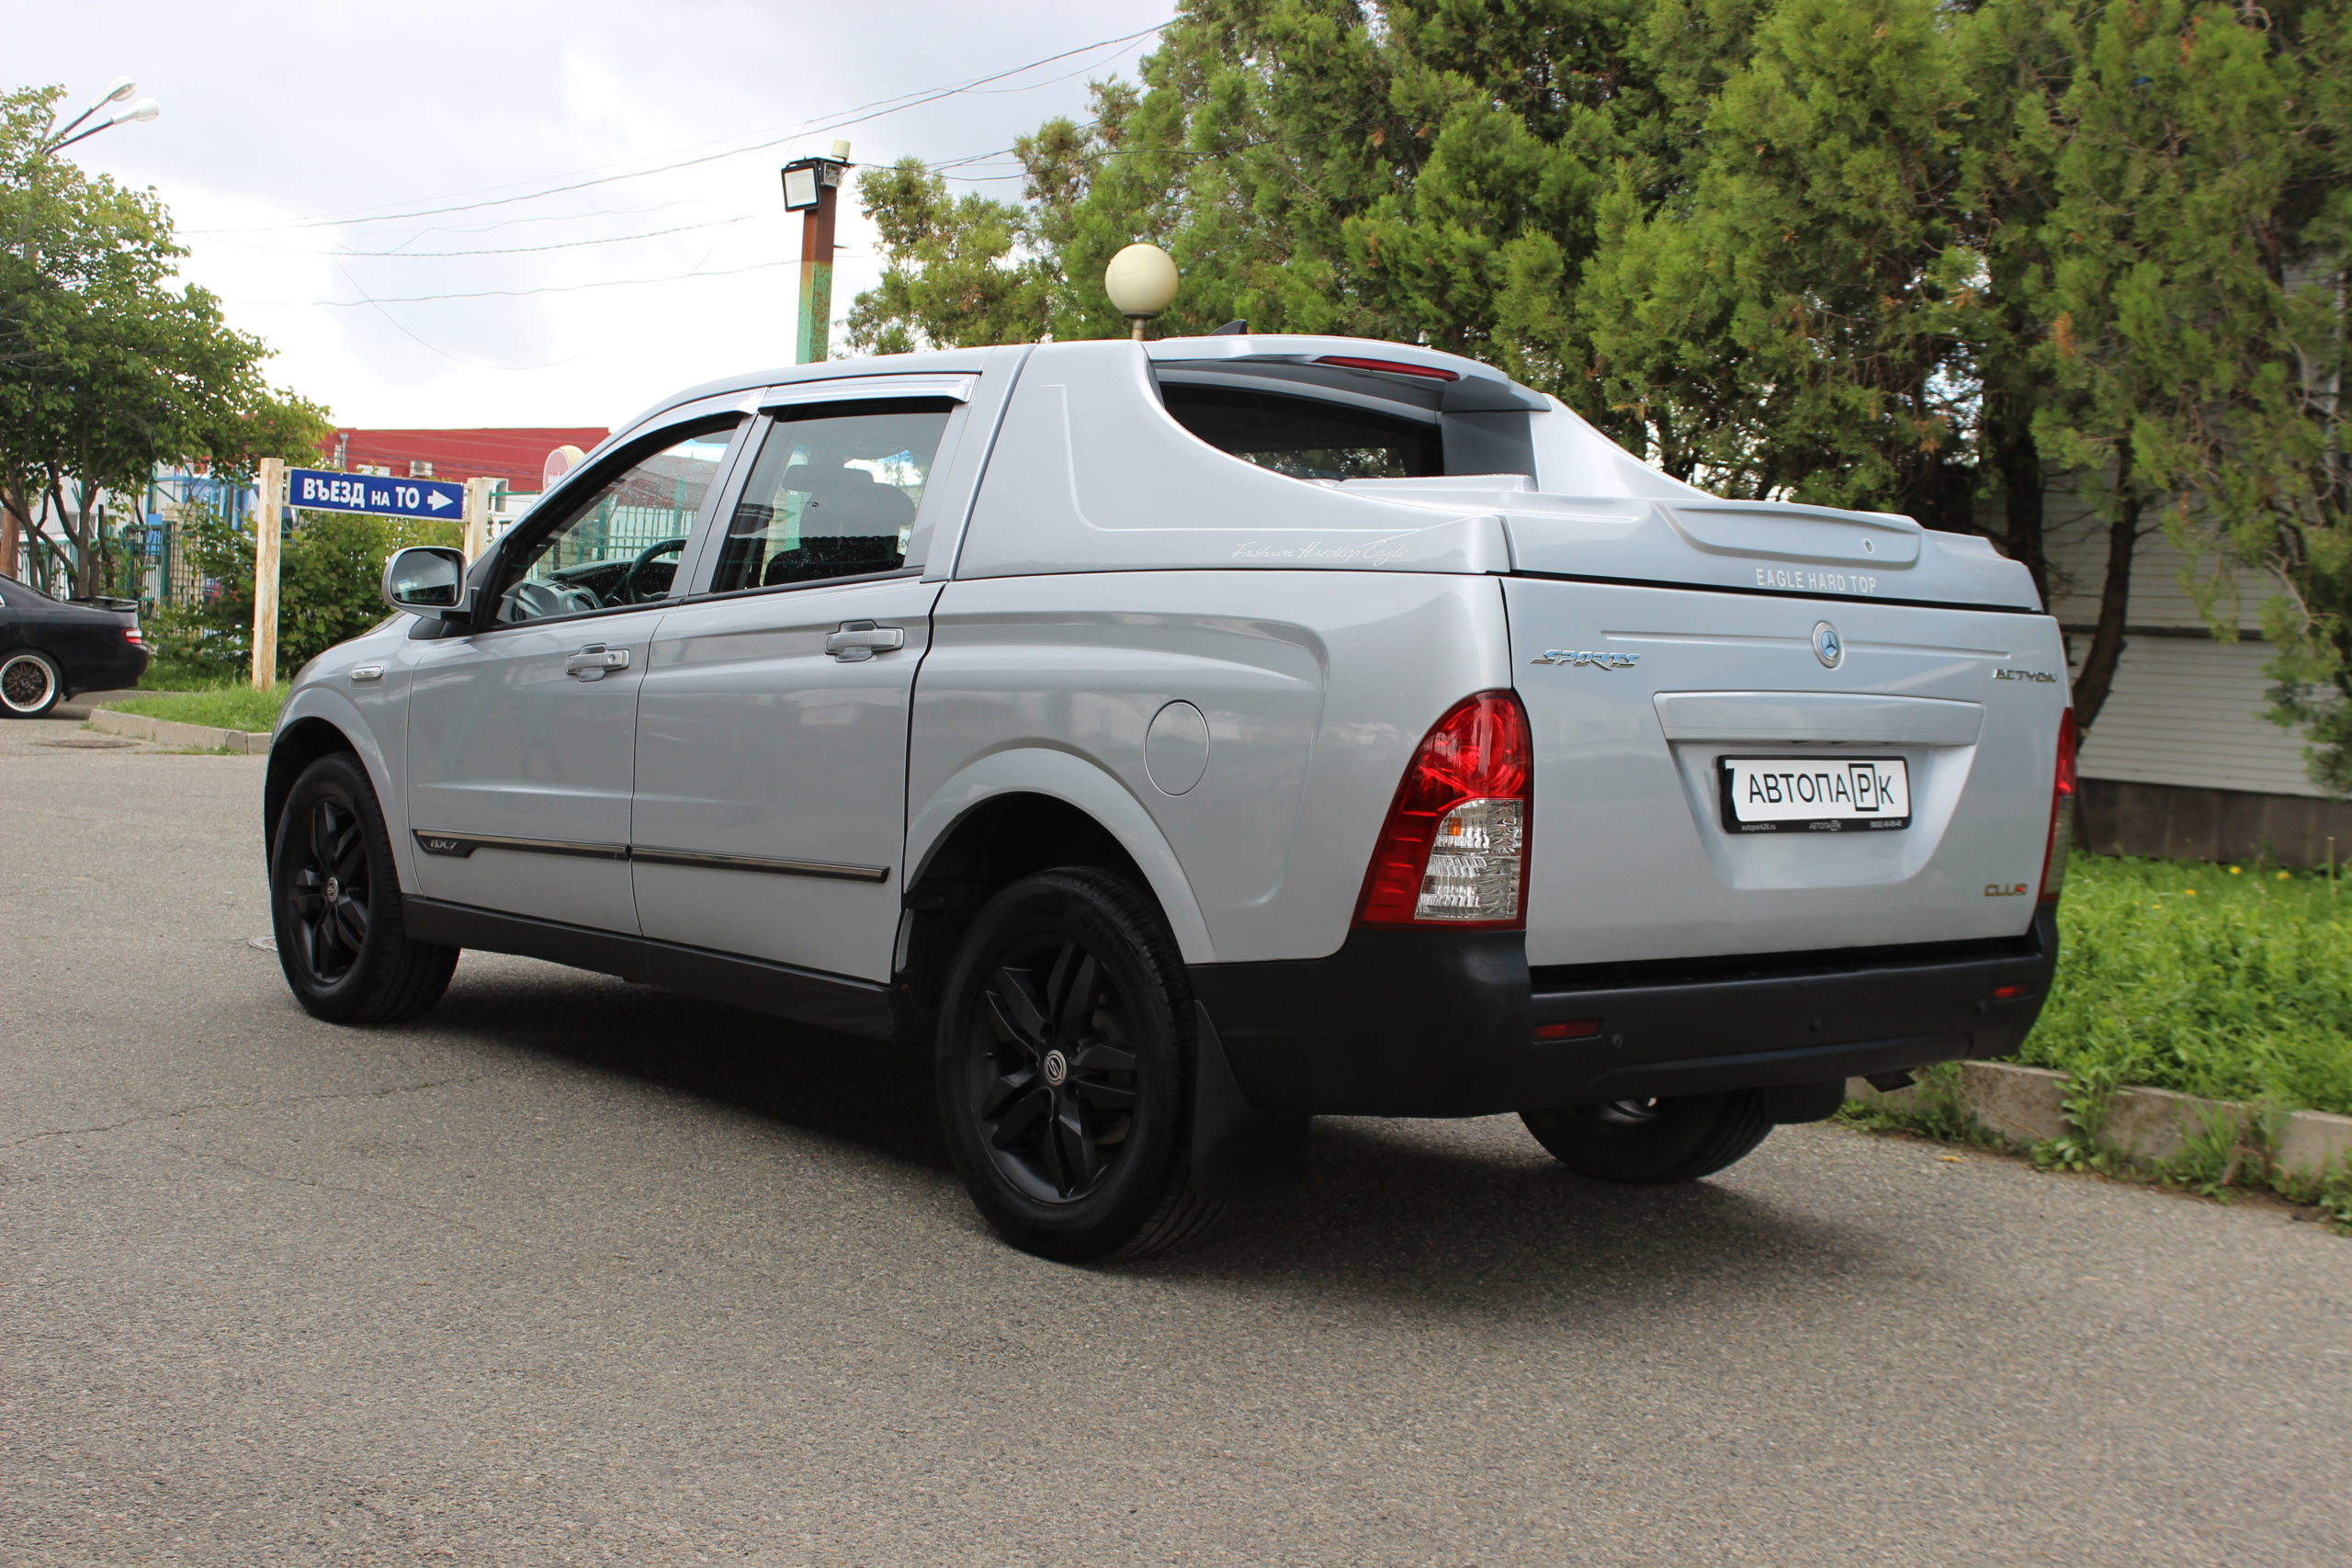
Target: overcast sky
[(278, 116)]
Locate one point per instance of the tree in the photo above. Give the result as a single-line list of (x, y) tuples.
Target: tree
[(2263, 482), (2017, 58), (1520, 183), (328, 577), (105, 369), (2170, 372), (1420, 170), (1794, 320), (1887, 254)]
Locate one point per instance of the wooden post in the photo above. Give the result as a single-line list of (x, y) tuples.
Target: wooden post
[(475, 536), (272, 483)]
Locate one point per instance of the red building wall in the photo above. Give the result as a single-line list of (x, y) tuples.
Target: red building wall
[(513, 454)]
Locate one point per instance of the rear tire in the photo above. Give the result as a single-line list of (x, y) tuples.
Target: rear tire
[(1065, 1065), (31, 684), (1653, 1141), (335, 905)]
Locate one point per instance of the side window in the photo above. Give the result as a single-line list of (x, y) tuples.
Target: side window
[(622, 544), (1307, 438), (833, 493)]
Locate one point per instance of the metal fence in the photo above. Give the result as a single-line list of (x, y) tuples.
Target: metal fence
[(163, 570)]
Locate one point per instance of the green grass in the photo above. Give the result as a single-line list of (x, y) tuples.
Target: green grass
[(226, 707), (2230, 982), (178, 675)]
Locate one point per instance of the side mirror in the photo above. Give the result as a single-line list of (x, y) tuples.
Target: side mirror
[(427, 580)]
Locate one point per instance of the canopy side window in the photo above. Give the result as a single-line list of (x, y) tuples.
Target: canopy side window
[(1307, 438)]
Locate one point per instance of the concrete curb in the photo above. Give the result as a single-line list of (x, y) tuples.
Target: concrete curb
[(171, 732), (2026, 1105), (81, 705)]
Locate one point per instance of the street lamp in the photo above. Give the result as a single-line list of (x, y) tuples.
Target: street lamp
[(811, 185), (118, 89)]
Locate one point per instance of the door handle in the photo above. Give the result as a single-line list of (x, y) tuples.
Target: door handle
[(596, 662), (859, 641)]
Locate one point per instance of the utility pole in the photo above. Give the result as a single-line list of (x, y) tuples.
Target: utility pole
[(812, 187), (272, 484)]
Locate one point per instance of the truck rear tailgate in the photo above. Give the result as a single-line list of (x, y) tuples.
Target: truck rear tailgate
[(1915, 747)]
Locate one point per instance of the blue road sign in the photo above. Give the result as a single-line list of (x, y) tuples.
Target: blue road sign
[(312, 490)]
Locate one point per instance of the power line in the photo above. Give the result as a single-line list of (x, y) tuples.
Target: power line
[(842, 122), (513, 222), (495, 223), (500, 250), (517, 293), (460, 358)]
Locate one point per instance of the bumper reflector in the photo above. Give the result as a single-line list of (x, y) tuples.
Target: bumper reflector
[(1575, 1028)]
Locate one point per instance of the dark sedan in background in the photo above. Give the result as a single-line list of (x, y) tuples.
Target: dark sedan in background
[(51, 649)]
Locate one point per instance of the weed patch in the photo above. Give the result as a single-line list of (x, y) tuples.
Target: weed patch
[(2225, 982), (229, 707)]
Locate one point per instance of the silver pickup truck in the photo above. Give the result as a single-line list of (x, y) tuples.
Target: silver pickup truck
[(1182, 739)]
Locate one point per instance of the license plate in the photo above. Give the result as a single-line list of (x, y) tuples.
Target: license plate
[(1815, 795)]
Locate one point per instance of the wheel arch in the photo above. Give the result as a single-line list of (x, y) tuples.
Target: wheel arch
[(313, 729), (1014, 814)]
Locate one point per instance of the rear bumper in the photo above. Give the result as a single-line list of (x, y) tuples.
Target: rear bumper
[(118, 671), (1440, 1023)]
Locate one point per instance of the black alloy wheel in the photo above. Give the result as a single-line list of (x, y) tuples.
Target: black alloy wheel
[(1065, 1070), (1058, 1104), (30, 684), (330, 891), (335, 905), (1653, 1141)]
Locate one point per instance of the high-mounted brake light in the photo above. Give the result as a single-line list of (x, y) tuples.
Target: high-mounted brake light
[(2062, 813), (1453, 849), (1392, 367)]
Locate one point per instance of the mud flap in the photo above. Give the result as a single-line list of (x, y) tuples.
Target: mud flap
[(1236, 1149)]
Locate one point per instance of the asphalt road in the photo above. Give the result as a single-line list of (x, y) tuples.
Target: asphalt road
[(571, 1271)]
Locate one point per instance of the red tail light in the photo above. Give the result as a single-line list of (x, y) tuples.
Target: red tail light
[(130, 634), (1453, 849), (2062, 813)]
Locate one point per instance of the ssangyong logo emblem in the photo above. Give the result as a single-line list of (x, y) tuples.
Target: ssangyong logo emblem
[(1827, 646), (1581, 656)]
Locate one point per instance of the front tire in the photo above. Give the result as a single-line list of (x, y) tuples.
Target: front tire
[(335, 905), (30, 684), (1653, 1141), (1065, 1069)]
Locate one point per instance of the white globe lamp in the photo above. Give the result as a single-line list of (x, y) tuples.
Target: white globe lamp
[(1141, 281)]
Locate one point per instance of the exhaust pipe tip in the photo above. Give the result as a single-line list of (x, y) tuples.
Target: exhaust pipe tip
[(1887, 1083)]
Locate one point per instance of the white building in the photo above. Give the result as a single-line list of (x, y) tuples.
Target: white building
[(2181, 762)]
